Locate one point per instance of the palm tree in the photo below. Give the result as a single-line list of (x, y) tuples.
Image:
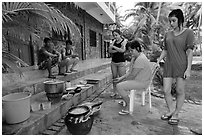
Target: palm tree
[(193, 16), (21, 19), (25, 21), (145, 14)]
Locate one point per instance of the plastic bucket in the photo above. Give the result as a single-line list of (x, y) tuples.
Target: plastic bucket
[(16, 107)]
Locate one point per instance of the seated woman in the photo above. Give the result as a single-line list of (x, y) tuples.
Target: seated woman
[(67, 54), (138, 76)]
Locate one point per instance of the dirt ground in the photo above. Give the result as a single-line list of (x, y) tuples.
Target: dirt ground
[(142, 122)]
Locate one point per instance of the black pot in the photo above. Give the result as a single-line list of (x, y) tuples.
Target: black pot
[(80, 123), (54, 97), (54, 86)]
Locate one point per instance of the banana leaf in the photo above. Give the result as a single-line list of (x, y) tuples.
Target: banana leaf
[(32, 15), (11, 63)]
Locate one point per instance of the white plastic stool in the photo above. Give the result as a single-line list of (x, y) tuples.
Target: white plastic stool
[(132, 98), (147, 90)]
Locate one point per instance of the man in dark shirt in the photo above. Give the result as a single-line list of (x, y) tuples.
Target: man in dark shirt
[(48, 57)]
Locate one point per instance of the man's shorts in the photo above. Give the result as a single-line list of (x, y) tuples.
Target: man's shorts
[(43, 65)]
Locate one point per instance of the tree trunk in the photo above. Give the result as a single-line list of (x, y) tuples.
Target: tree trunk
[(158, 14), (200, 19)]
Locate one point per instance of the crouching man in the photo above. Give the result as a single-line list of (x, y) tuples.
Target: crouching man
[(48, 58)]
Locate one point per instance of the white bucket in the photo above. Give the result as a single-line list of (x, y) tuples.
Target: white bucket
[(16, 107)]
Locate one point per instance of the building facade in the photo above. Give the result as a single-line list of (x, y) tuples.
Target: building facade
[(90, 17)]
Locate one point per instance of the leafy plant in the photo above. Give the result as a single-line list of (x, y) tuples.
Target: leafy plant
[(25, 21), (11, 63), (22, 19)]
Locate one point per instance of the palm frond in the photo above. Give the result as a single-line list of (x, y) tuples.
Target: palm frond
[(13, 63), (198, 12), (130, 15), (55, 20)]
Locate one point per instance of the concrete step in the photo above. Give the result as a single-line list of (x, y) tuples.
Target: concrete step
[(41, 120), (33, 79), (58, 128)]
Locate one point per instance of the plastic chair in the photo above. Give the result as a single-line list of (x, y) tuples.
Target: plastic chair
[(144, 92)]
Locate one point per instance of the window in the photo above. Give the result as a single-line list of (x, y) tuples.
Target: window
[(92, 35)]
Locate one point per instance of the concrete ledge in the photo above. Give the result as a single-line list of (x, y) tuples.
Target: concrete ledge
[(42, 119), (33, 80)]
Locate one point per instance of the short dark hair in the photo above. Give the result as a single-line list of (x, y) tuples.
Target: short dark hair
[(135, 45), (46, 40), (179, 15), (68, 42), (117, 31)]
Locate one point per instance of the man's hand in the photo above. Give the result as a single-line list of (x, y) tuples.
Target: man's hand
[(117, 80), (111, 46)]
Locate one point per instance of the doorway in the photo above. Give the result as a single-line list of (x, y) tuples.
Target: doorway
[(82, 52)]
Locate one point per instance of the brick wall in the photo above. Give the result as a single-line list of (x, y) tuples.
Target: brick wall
[(82, 18)]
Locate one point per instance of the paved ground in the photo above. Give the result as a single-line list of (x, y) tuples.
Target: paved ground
[(109, 122)]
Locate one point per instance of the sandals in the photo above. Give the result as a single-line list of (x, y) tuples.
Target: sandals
[(113, 95), (165, 117), (73, 70), (122, 102), (68, 71), (52, 76), (62, 74), (116, 96), (123, 112), (173, 121)]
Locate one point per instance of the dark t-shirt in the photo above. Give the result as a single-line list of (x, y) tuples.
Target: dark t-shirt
[(42, 56), (68, 52), (118, 56), (176, 46)]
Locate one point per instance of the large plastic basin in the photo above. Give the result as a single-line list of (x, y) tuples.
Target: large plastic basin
[(16, 107)]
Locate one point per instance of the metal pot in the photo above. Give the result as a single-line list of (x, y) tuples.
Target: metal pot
[(80, 123), (54, 86)]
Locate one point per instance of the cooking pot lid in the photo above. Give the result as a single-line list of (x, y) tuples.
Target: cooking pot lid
[(53, 82)]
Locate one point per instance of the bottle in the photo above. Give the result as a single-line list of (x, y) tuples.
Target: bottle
[(68, 84)]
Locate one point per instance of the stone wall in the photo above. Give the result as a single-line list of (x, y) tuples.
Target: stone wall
[(81, 18)]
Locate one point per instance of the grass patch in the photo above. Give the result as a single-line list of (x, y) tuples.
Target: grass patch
[(194, 84), (193, 88)]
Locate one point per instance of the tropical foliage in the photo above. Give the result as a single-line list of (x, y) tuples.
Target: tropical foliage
[(26, 21), (145, 23), (150, 22), (22, 19), (150, 26)]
